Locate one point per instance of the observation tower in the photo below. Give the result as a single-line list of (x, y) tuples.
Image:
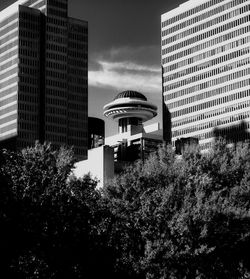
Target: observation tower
[(131, 109)]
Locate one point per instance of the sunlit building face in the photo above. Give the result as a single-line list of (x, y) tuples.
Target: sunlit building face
[(206, 67), (43, 75)]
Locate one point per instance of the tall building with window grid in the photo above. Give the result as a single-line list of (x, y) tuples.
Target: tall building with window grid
[(43, 76), (206, 67)]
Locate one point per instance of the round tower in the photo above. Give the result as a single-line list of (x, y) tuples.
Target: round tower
[(130, 109)]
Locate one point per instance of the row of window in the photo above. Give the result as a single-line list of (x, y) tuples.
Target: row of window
[(9, 37), (192, 12), (204, 45), (29, 80), (209, 33), (9, 91), (77, 124), (9, 64), (27, 107), (9, 109), (30, 44), (214, 123), (77, 80), (29, 98), (32, 2), (56, 139), (8, 100), (77, 63), (199, 18), (9, 28), (26, 62), (29, 89), (8, 118), (203, 26), (29, 52), (29, 71), (56, 129), (9, 82), (56, 12), (56, 83), (9, 73), (77, 45), (77, 115), (77, 106), (76, 133), (77, 37), (8, 46), (59, 4), (211, 113), (56, 65), (57, 74), (29, 34), (211, 124), (223, 131), (77, 89), (57, 21), (8, 20), (80, 54), (56, 39), (76, 28), (56, 56), (211, 103), (205, 95), (57, 48), (8, 128), (40, 5), (216, 71), (55, 119), (30, 25), (58, 92), (207, 54), (59, 30), (208, 83), (56, 101), (77, 71), (55, 110), (82, 98)]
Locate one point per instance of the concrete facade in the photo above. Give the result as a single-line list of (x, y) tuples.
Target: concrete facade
[(100, 165), (206, 67), (43, 76)]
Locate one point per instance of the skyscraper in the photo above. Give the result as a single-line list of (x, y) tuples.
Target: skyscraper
[(43, 75), (206, 67)]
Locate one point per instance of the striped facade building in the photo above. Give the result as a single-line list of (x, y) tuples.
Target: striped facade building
[(206, 68), (43, 76)]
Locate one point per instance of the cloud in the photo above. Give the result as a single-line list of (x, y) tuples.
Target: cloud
[(125, 68), (145, 55)]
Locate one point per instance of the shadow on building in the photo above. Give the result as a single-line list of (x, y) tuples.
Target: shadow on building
[(183, 143), (234, 133), (96, 132), (166, 123)]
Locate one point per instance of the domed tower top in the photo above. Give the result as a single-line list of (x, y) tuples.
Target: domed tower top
[(130, 108), (131, 94)]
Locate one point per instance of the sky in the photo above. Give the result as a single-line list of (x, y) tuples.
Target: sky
[(124, 49)]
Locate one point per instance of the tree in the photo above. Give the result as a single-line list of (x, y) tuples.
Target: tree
[(51, 221), (184, 217)]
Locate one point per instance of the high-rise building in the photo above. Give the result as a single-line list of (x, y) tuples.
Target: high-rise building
[(43, 76), (206, 68)]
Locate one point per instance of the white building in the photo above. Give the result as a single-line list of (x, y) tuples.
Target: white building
[(133, 140), (206, 67)]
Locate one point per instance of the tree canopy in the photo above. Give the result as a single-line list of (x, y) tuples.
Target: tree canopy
[(167, 217)]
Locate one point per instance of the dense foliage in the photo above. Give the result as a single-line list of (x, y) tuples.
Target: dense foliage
[(169, 217)]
